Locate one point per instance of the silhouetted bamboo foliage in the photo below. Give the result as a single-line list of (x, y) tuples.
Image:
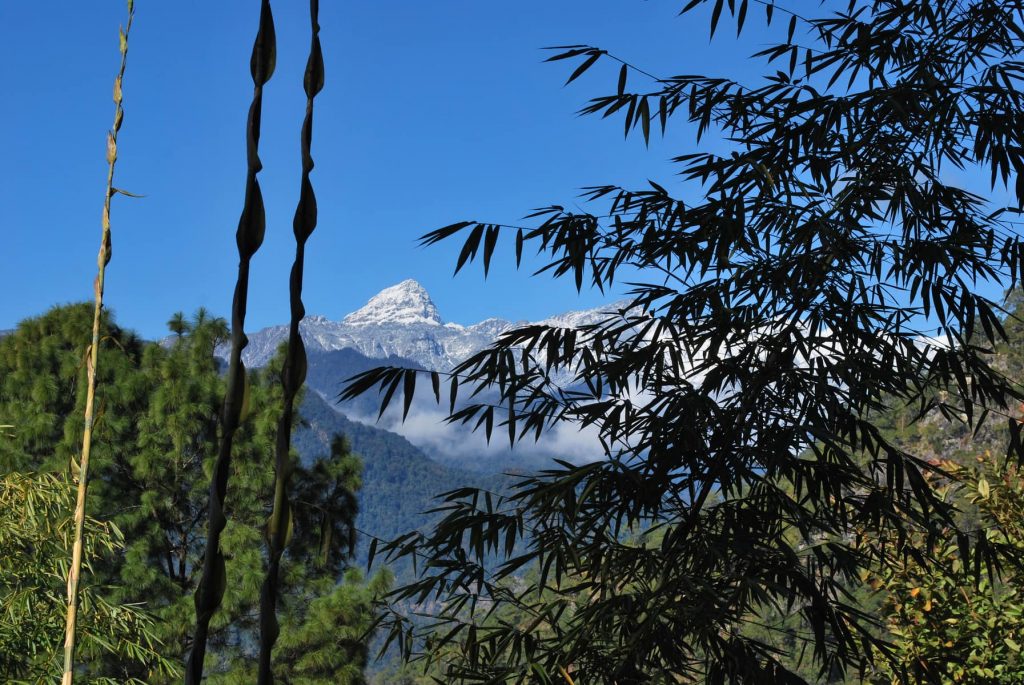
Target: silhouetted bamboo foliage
[(249, 237), (293, 374), (775, 316), (92, 361)]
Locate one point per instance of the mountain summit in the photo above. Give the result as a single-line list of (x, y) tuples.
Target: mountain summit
[(405, 303)]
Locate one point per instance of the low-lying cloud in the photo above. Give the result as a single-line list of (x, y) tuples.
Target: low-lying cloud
[(427, 428)]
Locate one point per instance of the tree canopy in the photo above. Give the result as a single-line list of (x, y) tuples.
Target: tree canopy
[(156, 441), (786, 289)]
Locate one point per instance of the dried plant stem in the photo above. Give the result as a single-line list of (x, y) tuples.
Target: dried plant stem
[(249, 237), (75, 571), (293, 374)]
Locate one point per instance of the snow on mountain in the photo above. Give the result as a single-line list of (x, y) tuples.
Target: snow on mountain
[(406, 303), (401, 321)]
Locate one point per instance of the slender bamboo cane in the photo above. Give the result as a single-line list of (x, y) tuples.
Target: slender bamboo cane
[(293, 374), (249, 237), (75, 571)]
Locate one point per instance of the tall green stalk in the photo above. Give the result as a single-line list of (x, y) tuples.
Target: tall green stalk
[(293, 374), (75, 570), (249, 237)]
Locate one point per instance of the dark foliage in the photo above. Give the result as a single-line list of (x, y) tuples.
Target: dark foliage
[(772, 318)]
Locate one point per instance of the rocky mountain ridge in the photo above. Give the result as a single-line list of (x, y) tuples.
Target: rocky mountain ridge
[(402, 321)]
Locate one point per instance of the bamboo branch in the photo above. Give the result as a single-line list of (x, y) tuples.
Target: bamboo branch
[(75, 570), (293, 374), (249, 237)]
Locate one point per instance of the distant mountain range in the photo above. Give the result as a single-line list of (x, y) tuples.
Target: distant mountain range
[(401, 326), (402, 321), (406, 463)]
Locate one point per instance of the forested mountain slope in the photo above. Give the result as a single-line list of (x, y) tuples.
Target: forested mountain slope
[(399, 480)]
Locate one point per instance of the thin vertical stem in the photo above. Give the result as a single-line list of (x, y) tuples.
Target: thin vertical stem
[(249, 237), (75, 570), (293, 374)]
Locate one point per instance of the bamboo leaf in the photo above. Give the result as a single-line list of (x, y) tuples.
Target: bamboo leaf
[(445, 232), (716, 14), (589, 62), (389, 393), (470, 247), (371, 553), (124, 192), (408, 391), (490, 240)]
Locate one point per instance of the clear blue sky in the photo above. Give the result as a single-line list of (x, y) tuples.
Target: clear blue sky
[(433, 112)]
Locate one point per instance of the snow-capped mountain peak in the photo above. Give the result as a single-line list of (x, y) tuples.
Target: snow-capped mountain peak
[(400, 321), (405, 303)]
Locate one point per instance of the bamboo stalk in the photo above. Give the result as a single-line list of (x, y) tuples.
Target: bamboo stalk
[(293, 374), (75, 571), (249, 237)]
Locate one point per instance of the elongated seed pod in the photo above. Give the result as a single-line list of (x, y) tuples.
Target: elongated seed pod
[(92, 364), (249, 237), (293, 374)]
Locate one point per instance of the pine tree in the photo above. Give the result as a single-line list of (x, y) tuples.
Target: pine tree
[(42, 377), (177, 433), (151, 482)]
